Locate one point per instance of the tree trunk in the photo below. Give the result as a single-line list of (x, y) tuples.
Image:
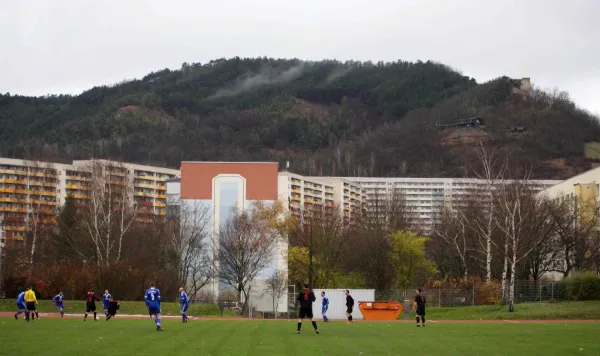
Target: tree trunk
[(511, 292), (504, 272)]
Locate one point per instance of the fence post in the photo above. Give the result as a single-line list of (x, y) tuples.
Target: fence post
[(473, 294), (440, 297)]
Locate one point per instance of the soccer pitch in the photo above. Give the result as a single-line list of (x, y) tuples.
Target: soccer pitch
[(52, 336)]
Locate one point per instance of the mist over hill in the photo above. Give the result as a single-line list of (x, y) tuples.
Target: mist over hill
[(325, 117)]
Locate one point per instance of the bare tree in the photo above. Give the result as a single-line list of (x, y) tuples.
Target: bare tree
[(247, 244), (324, 235), (453, 231), (575, 225), (189, 233), (517, 208), (110, 211), (276, 287), (41, 202), (493, 176)]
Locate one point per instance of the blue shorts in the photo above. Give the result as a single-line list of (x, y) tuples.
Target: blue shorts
[(105, 306), (184, 308), (22, 306), (154, 310), (59, 306), (324, 310)]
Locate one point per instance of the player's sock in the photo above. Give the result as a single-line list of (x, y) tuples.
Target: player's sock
[(183, 317), (85, 316), (62, 313), (423, 320), (350, 318), (299, 326), (158, 322), (27, 315), (314, 324), (37, 315), (94, 315), (417, 320)]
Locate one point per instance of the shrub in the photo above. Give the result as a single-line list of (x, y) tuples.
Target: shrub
[(582, 286)]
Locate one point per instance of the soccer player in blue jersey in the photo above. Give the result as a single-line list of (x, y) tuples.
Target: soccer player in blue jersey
[(152, 299), (21, 306), (106, 301), (58, 301), (185, 304), (324, 307)]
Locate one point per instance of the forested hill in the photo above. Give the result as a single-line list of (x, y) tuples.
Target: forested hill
[(327, 117)]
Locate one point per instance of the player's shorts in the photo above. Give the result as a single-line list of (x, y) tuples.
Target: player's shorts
[(21, 306), (420, 311), (154, 310), (90, 307), (349, 310), (59, 306), (105, 307), (184, 308), (324, 310), (30, 306), (305, 313)]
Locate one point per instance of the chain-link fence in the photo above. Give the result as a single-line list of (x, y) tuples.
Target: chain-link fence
[(448, 296)]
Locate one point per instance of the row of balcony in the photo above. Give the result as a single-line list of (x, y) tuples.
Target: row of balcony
[(27, 201), (28, 192), (21, 172), (28, 182), (26, 210)]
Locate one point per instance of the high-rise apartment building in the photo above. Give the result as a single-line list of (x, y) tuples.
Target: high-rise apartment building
[(31, 191), (309, 194), (426, 197)]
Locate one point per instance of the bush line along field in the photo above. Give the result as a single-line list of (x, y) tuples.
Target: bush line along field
[(585, 310), (137, 337)]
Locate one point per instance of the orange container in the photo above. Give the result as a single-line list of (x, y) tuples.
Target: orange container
[(380, 310)]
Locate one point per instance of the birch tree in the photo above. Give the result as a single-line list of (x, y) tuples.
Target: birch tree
[(41, 206), (453, 231), (517, 207), (492, 173), (109, 213), (189, 238)]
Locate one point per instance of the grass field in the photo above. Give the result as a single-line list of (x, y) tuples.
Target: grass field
[(523, 311), (78, 307), (51, 336)]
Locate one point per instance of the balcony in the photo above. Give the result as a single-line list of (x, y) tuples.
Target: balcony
[(160, 204), (78, 178), (297, 191), (42, 183), (145, 185), (14, 210), (78, 196), (144, 220), (145, 203), (13, 181), (15, 228), (152, 178), (78, 187), (145, 211)]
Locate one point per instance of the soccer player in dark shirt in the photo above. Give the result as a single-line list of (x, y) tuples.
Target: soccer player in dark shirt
[(306, 298), (112, 308), (420, 303), (349, 306), (90, 304)]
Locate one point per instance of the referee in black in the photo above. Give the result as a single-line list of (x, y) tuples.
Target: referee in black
[(306, 298)]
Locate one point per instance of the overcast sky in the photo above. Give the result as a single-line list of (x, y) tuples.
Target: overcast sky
[(68, 46)]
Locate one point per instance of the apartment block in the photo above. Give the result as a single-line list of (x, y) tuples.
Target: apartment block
[(426, 197), (305, 195), (31, 191)]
